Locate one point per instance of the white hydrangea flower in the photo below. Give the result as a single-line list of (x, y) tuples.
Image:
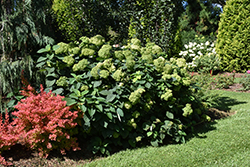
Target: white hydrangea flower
[(207, 43), (212, 45), (201, 47), (192, 55), (191, 51), (213, 51), (185, 53), (200, 53), (186, 46)]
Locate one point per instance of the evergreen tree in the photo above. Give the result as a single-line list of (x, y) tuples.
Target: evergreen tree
[(233, 43), (23, 27), (201, 17)]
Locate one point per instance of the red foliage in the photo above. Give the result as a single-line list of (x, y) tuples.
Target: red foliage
[(43, 123), (8, 137)]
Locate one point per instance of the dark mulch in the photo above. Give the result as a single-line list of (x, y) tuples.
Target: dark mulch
[(22, 157)]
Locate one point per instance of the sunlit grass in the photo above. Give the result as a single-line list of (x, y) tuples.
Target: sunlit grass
[(223, 143)]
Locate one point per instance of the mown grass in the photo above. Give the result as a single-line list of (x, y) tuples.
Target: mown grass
[(224, 142)]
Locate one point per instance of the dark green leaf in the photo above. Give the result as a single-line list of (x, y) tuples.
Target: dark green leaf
[(50, 83), (11, 103), (84, 92), (110, 116), (55, 47), (105, 92), (97, 83), (41, 59), (170, 115), (110, 97), (42, 50), (58, 91), (83, 108), (70, 101), (9, 95), (99, 107), (91, 112), (155, 143), (148, 85), (40, 64), (120, 112), (85, 118)]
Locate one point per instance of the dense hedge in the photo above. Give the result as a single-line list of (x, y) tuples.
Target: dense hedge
[(233, 36), (130, 95)]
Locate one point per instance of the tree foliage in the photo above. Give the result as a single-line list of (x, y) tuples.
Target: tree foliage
[(153, 20), (233, 36), (22, 27), (200, 17), (77, 18)]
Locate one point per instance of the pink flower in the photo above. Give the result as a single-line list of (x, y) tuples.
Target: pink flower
[(248, 71)]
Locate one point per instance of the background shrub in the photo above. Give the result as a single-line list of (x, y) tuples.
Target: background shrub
[(233, 36), (130, 95), (201, 57)]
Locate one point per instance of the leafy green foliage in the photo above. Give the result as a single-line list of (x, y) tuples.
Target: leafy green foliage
[(245, 81), (130, 95), (10, 80), (23, 28), (154, 20), (199, 18), (85, 18), (233, 37)]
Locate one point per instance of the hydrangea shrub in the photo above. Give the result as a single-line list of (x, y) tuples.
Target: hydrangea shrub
[(130, 95)]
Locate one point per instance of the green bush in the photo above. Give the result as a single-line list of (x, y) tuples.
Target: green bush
[(233, 36), (130, 95), (201, 57)]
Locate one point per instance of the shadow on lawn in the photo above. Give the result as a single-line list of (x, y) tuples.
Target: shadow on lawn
[(224, 103), (220, 110)]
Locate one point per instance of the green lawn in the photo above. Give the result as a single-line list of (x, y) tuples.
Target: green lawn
[(224, 142)]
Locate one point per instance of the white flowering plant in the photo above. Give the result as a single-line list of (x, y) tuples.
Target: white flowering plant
[(130, 95), (201, 57)]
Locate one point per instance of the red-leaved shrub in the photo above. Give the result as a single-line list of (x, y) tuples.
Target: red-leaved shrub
[(8, 137), (44, 122)]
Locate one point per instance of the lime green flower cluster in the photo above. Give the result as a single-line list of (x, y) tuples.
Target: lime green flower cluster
[(127, 105), (178, 79), (62, 81), (80, 65), (181, 62), (135, 44), (167, 94), (104, 73), (62, 49), (118, 75), (153, 48), (159, 63), (186, 81), (147, 57), (105, 69), (74, 50), (187, 110), (119, 55), (94, 71), (98, 40), (87, 52), (127, 53), (136, 95), (84, 87), (107, 64), (69, 60), (104, 52)]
